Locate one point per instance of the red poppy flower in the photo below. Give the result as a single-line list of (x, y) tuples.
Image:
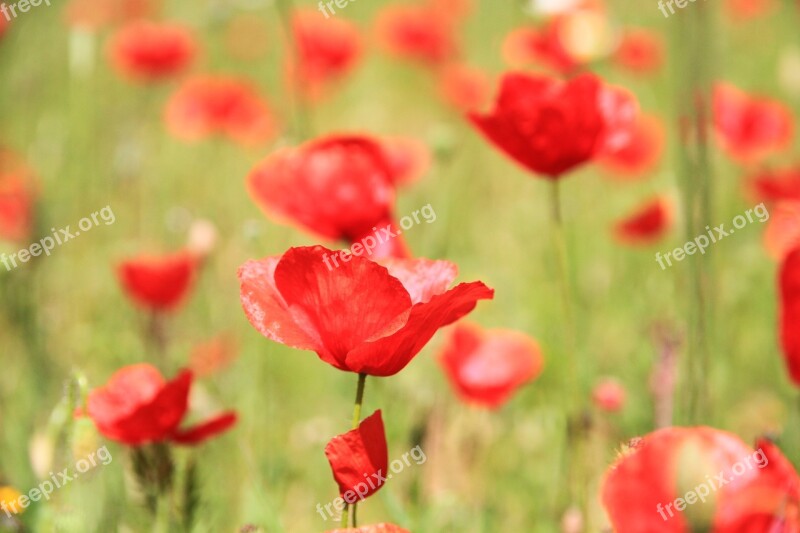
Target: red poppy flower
[(360, 459), (609, 395), (374, 528), (620, 110), (408, 157), (743, 10), (782, 234), (465, 88), (418, 33), (548, 126), (158, 283), (340, 187), (640, 491), (776, 185), (487, 367), (647, 225), (789, 289), (327, 49), (17, 202), (639, 153), (750, 128), (640, 52), (137, 406), (359, 316), (204, 106), (540, 46), (4, 24), (147, 52)]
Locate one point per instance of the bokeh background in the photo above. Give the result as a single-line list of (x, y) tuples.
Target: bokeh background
[(93, 139)]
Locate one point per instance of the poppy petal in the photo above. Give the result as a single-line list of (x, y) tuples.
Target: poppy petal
[(343, 306), (358, 454), (205, 430), (389, 355)]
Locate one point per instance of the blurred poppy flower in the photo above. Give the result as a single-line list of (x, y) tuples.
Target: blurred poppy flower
[(4, 24), (539, 46), (465, 88), (340, 187), (640, 490), (748, 127), (487, 367), (776, 185), (137, 406), (326, 50), (213, 356), (360, 316), (789, 290), (782, 234), (620, 110), (609, 395), (360, 459), (548, 126), (94, 14), (408, 157), (647, 225), (158, 283), (374, 528), (208, 105), (639, 153), (743, 10), (418, 33), (147, 52), (17, 202), (640, 51)]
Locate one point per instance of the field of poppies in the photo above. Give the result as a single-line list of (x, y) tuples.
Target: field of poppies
[(399, 266)]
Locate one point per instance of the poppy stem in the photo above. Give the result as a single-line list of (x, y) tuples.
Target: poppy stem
[(362, 381), (301, 112), (574, 416)]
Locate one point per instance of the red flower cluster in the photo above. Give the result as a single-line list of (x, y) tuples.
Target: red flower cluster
[(422, 33), (548, 126), (648, 488), (138, 407), (207, 105), (640, 51), (340, 187), (487, 367), (789, 294), (17, 201), (750, 128), (360, 317), (647, 224), (147, 52), (326, 50), (158, 283)]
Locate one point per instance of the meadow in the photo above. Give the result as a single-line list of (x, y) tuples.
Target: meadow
[(695, 344)]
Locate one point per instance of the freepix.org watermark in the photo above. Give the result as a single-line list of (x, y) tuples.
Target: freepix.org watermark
[(59, 237), (669, 3), (704, 490), (714, 236), (10, 10), (380, 236), (57, 481), (371, 482)]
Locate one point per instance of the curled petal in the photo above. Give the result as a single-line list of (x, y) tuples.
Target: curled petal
[(206, 430)]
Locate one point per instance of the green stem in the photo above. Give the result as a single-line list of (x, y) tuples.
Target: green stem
[(362, 380), (573, 379), (693, 97), (303, 127)]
